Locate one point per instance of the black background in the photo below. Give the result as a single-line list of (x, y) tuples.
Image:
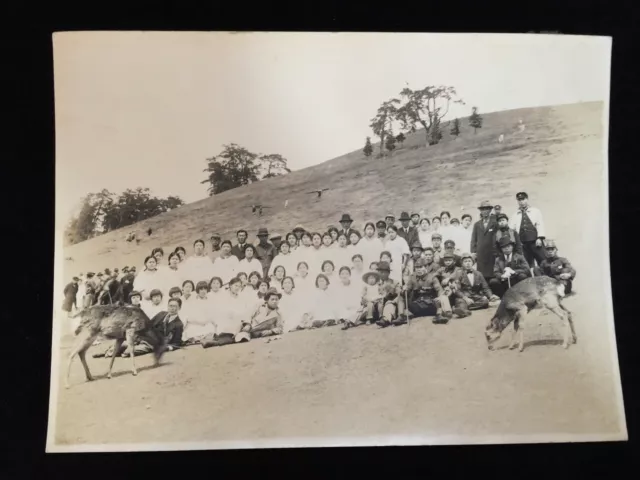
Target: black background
[(28, 112)]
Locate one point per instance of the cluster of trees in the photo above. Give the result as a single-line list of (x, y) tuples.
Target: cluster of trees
[(105, 211), (236, 166), (426, 108)]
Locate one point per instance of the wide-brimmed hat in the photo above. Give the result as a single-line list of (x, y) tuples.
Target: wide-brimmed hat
[(404, 216), (262, 231), (384, 266), (271, 292), (505, 240), (417, 244), (485, 204), (346, 218), (365, 277)]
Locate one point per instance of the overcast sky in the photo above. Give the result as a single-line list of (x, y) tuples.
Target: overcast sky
[(146, 109)]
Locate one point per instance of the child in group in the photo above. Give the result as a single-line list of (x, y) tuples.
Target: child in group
[(155, 305), (558, 267), (371, 296), (373, 267)]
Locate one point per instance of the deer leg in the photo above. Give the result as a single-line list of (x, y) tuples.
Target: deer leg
[(131, 347), (83, 344), (512, 345), (567, 329), (520, 314), (116, 349), (570, 320)]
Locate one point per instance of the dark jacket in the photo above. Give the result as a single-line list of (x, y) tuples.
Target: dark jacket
[(483, 245), (445, 275), (515, 238), (424, 288), (238, 250), (410, 236), (518, 264), (70, 293), (479, 287), (553, 267), (457, 261), (171, 332), (265, 254)]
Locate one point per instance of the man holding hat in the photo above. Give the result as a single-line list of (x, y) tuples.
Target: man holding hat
[(483, 241), (557, 267), (509, 268), (391, 306), (426, 296), (265, 251), (473, 292), (266, 320), (527, 221), (346, 222), (406, 231)]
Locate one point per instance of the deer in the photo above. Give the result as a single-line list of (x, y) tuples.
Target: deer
[(519, 300), (114, 322)]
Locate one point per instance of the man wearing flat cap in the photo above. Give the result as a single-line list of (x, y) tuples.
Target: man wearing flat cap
[(527, 221), (483, 240), (345, 223), (276, 241), (406, 231), (450, 248)]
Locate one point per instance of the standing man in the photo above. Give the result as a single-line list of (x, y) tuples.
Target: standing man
[(70, 293), (276, 241), (527, 221), (346, 222), (215, 247), (390, 219), (483, 241), (408, 232), (264, 251), (238, 248)]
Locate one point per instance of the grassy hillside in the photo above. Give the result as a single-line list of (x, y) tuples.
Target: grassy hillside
[(455, 175)]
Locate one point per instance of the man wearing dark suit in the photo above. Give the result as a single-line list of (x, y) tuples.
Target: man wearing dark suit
[(483, 239), (346, 222), (474, 292), (509, 269), (238, 248), (408, 232)]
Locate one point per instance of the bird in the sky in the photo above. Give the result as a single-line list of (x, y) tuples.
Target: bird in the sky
[(319, 192)]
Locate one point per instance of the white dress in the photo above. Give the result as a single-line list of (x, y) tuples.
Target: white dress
[(347, 299), (171, 278), (227, 268), (370, 249), (148, 280), (448, 233), (304, 285), (152, 310), (342, 258), (285, 260), (425, 238), (397, 248), (197, 269), (321, 305), (290, 309), (200, 320), (247, 267)]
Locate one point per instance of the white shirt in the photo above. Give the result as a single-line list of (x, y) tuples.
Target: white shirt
[(470, 277), (370, 249), (534, 215), (397, 248), (146, 281), (198, 268), (247, 267), (227, 268), (448, 233), (425, 238)]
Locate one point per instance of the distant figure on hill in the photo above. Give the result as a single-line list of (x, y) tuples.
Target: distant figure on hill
[(286, 203), (257, 209), (149, 231), (318, 192), (520, 126)]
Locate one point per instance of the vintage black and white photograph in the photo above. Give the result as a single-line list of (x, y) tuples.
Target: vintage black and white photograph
[(331, 239)]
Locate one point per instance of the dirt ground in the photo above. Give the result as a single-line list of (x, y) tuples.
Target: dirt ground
[(436, 382)]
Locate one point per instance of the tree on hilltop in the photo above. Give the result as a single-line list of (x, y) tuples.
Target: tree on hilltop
[(234, 167), (368, 148), (274, 165), (426, 107), (455, 129), (382, 123), (475, 120)]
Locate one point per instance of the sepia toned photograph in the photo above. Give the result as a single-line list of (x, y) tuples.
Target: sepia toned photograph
[(269, 240)]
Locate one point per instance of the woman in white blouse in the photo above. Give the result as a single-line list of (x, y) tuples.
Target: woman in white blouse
[(172, 275), (200, 321), (149, 278), (226, 265), (198, 266), (304, 283), (398, 247), (284, 258), (249, 263), (370, 245), (347, 295), (424, 233)]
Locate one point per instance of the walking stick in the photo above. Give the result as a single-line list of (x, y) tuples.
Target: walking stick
[(509, 281)]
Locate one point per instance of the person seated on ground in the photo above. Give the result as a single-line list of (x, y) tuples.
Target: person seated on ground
[(167, 324), (328, 269), (416, 253), (289, 304), (430, 263), (449, 275), (215, 291), (346, 295), (265, 321), (391, 308), (155, 305), (557, 267), (229, 317), (509, 268), (426, 296), (474, 292), (504, 230), (436, 247), (370, 297), (200, 321), (450, 248), (320, 311)]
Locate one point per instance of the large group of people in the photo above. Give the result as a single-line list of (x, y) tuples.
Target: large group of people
[(383, 274)]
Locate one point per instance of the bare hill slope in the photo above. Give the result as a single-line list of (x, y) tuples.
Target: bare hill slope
[(453, 174)]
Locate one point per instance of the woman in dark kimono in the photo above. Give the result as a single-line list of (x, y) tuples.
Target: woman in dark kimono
[(483, 240)]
